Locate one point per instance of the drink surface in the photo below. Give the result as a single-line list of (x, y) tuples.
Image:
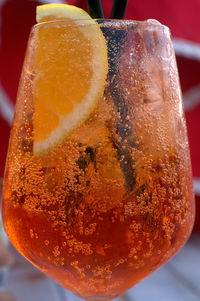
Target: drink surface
[(113, 201)]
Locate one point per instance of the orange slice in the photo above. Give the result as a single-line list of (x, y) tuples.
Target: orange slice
[(71, 67)]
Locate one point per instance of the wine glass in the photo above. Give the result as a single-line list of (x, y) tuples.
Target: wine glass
[(112, 201)]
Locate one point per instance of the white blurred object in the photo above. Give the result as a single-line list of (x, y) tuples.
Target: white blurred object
[(3, 279), (196, 182), (186, 48)]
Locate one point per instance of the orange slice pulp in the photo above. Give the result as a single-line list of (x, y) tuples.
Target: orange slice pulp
[(70, 64)]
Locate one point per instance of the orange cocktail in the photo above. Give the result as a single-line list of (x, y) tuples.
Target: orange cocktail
[(98, 187)]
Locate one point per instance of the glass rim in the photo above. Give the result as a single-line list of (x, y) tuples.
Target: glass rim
[(151, 24)]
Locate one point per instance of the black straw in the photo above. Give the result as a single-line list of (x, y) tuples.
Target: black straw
[(95, 9), (118, 9)]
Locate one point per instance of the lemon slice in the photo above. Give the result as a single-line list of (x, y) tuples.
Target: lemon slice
[(70, 63)]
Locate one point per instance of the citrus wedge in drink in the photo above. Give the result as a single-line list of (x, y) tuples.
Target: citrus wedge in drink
[(70, 67)]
